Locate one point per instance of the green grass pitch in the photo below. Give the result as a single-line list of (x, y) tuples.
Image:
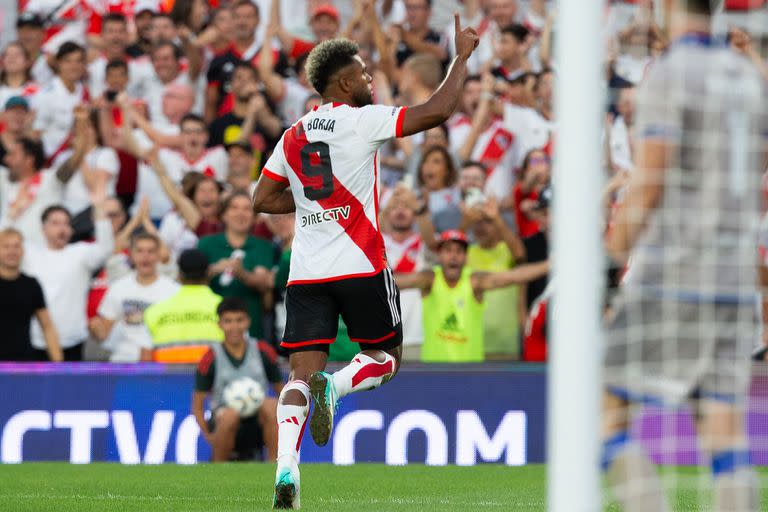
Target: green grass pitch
[(38, 487)]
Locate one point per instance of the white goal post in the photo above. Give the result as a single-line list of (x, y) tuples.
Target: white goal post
[(573, 439)]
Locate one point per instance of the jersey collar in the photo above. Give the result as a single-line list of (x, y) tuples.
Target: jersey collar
[(698, 39)]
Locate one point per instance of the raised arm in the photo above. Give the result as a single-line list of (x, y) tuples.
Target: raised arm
[(482, 281), (510, 238), (184, 206), (422, 280), (439, 107), (66, 170), (274, 85)]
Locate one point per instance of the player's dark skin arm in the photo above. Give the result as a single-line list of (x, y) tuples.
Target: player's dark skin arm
[(439, 107), (272, 196)]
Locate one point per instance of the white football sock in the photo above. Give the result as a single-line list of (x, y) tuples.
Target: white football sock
[(363, 373), (291, 420)]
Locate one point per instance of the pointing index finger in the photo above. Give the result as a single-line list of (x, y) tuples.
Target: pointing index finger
[(457, 22)]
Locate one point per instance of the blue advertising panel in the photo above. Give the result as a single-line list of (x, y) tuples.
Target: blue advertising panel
[(141, 414), (436, 415)]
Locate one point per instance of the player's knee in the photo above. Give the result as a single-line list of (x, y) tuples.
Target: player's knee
[(296, 392), (268, 411), (227, 419)]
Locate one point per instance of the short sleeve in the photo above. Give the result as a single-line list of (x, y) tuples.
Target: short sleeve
[(276, 167), (205, 372), (110, 305), (220, 163), (36, 296), (658, 110), (380, 123), (107, 161)]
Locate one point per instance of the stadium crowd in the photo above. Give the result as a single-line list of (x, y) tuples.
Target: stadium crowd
[(133, 133)]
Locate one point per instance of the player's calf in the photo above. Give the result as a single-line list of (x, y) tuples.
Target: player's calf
[(291, 420), (226, 424), (368, 370), (630, 473)]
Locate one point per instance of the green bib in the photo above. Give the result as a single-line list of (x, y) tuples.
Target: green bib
[(453, 322)]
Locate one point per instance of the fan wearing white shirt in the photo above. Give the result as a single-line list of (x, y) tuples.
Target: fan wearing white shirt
[(97, 164), (26, 189), (15, 77), (64, 271), (621, 131), (127, 298), (167, 69), (194, 156), (56, 103)]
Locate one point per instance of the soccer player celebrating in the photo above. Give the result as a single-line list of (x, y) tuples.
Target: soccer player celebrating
[(329, 159), (684, 322)]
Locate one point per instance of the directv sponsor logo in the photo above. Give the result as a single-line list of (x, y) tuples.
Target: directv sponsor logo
[(332, 215)]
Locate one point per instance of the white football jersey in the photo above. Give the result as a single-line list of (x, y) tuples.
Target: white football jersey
[(329, 158)]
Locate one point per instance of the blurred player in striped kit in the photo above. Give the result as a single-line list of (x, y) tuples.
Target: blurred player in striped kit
[(686, 318)]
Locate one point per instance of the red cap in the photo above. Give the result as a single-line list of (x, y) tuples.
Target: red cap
[(454, 235), (326, 9)]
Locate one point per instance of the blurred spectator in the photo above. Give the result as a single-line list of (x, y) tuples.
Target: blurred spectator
[(143, 12), (534, 175), (324, 22), (437, 136), (535, 335), (191, 14), (537, 245), (17, 121), (419, 77), (511, 49), (31, 33), (64, 271), (96, 165), (284, 228), (497, 248), (241, 166), (741, 41), (114, 37), (241, 263), (453, 301), (289, 94), (238, 356), (250, 119), (21, 298), (196, 209), (495, 15), (26, 190), (621, 131), (127, 298), (415, 36), (183, 326), (436, 179), (245, 48), (405, 254), (55, 104), (167, 69), (193, 156), (482, 136), (15, 76)]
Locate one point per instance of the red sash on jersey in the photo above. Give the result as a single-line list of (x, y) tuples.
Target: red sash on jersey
[(407, 261), (500, 141), (743, 5), (68, 139)]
